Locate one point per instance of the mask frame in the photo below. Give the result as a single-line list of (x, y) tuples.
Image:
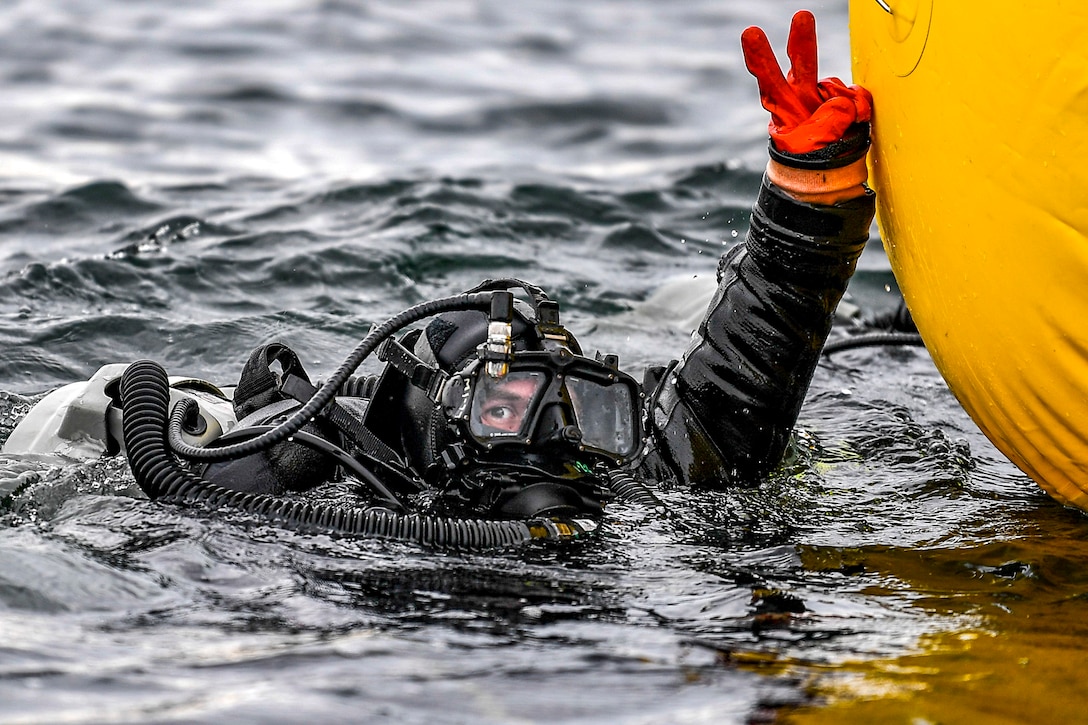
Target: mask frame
[(589, 405)]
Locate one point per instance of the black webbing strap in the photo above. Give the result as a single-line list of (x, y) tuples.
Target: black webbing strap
[(427, 378), (372, 446)]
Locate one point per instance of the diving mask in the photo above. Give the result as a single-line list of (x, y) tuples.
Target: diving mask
[(544, 398)]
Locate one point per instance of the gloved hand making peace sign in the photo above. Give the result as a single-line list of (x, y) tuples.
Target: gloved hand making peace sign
[(816, 126)]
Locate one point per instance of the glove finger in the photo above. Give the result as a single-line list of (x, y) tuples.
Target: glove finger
[(804, 60), (862, 99), (761, 61), (834, 117), (863, 102), (776, 94), (825, 126)]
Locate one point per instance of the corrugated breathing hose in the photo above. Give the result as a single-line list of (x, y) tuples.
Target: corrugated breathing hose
[(145, 400)]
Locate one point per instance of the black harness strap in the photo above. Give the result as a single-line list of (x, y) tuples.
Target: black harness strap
[(369, 444), (427, 378)]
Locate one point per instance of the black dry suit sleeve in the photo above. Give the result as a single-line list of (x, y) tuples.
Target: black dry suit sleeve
[(724, 414)]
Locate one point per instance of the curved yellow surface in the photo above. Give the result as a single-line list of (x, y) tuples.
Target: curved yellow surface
[(980, 161)]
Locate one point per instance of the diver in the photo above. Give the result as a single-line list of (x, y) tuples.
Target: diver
[(502, 415), (493, 411)]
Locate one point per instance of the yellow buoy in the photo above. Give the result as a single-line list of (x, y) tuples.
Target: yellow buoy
[(980, 162)]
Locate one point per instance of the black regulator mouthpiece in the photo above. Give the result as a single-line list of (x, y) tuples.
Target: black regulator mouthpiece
[(526, 486)]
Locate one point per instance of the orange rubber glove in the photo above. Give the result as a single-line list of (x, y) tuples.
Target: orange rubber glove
[(806, 115)]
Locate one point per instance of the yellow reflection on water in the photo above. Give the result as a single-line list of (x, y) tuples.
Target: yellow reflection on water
[(1023, 657), (961, 677)]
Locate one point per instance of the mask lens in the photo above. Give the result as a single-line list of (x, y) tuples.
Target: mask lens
[(605, 414), (503, 406), (522, 405)]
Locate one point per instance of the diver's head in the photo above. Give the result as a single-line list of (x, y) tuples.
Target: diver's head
[(504, 414)]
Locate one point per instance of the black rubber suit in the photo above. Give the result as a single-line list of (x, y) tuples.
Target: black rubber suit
[(722, 415)]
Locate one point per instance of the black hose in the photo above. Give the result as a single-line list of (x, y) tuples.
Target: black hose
[(324, 394), (145, 399), (187, 406), (358, 387), (628, 488), (873, 339)]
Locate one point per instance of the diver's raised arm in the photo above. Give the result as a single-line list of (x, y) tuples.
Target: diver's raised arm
[(724, 414)]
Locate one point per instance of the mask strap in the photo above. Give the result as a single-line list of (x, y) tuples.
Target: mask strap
[(536, 294)]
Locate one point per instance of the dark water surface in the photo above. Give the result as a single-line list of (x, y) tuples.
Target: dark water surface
[(183, 181)]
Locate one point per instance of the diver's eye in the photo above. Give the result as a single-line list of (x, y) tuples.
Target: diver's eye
[(499, 412), (502, 405), (502, 416)]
